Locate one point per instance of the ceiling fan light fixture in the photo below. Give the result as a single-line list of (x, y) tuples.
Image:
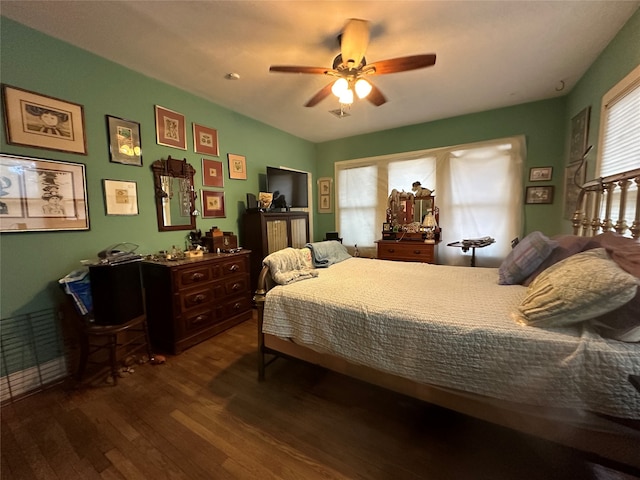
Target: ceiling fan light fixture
[(340, 87), (363, 88), (347, 97)]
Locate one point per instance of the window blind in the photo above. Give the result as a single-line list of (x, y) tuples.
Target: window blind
[(621, 142)]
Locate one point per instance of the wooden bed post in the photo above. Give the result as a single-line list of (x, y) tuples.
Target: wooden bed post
[(259, 299)]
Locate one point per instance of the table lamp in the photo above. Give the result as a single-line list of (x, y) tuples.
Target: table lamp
[(430, 225)]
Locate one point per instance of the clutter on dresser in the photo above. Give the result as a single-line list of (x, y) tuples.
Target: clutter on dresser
[(218, 241)]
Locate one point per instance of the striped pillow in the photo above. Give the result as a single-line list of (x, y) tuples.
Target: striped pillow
[(525, 257)]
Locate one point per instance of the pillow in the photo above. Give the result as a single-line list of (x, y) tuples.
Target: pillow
[(623, 323), (525, 257), (567, 245), (581, 287)]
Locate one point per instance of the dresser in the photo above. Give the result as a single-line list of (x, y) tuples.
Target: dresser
[(190, 300), (267, 232), (407, 251)]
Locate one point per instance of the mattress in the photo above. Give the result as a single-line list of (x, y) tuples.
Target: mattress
[(452, 327)]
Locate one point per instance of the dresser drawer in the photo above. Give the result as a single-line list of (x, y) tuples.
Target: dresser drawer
[(407, 251), (237, 305), (194, 276), (235, 266), (198, 320), (237, 285), (195, 297)]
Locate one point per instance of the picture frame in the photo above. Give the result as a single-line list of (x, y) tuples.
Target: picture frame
[(539, 195), (212, 204), (325, 185), (120, 197), (237, 166), (125, 145), (579, 134), (171, 129), (540, 174), (37, 194), (212, 174), (575, 175), (205, 140), (36, 120)]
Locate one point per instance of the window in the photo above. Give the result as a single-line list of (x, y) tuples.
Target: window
[(478, 190), (620, 127), (620, 138)]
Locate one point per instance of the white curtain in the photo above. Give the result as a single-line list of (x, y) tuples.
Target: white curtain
[(478, 189)]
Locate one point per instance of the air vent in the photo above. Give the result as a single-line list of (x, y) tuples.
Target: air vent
[(340, 113)]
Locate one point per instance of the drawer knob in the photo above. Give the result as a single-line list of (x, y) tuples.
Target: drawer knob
[(234, 267), (391, 250), (417, 252), (197, 276), (199, 298), (237, 306), (236, 286), (199, 318)]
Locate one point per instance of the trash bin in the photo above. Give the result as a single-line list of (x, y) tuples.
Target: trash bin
[(77, 284)]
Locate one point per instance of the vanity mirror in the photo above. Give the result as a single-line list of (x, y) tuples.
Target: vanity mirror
[(175, 194)]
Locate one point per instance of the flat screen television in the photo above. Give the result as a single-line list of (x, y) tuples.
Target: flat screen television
[(293, 185)]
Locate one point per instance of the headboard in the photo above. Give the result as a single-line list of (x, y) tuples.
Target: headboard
[(598, 198)]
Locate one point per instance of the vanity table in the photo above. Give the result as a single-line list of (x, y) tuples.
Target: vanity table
[(190, 300), (407, 251)]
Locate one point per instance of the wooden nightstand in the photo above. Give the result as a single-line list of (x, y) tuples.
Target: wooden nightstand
[(407, 251)]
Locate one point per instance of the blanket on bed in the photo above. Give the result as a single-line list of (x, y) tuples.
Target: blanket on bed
[(290, 265), (325, 254)]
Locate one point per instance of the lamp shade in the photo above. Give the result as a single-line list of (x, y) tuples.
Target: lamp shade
[(339, 87), (429, 221), (363, 88), (347, 97)]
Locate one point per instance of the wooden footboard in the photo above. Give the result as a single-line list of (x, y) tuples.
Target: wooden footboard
[(599, 198)]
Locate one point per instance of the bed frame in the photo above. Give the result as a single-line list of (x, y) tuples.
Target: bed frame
[(602, 192), (610, 441)]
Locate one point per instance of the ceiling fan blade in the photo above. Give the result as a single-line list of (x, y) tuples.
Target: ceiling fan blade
[(354, 41), (375, 96), (401, 64), (295, 69), (318, 97)]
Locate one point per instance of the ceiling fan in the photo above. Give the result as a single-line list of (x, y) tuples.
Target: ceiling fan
[(350, 68)]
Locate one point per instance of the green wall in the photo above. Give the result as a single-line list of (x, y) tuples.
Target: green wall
[(31, 263), (541, 122)]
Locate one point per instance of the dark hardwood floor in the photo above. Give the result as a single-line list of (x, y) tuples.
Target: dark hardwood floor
[(204, 415)]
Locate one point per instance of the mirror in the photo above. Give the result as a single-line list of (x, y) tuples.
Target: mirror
[(175, 194)]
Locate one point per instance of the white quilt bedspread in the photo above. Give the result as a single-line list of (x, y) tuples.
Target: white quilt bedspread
[(452, 326)]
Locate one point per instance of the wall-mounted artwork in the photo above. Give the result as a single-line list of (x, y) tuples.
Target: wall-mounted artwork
[(125, 145), (579, 134), (540, 174), (212, 204), (205, 140), (41, 195), (237, 166), (539, 194), (41, 121), (212, 173), (324, 195), (120, 197), (171, 130)]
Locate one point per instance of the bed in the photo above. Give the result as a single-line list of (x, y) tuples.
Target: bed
[(473, 339)]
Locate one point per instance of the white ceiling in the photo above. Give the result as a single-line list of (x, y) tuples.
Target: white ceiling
[(490, 54)]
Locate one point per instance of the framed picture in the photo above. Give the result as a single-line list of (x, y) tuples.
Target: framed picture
[(205, 140), (539, 194), (120, 197), (124, 141), (575, 174), (540, 174), (42, 195), (579, 134), (237, 166), (212, 173), (324, 194), (171, 130), (41, 121), (212, 204)]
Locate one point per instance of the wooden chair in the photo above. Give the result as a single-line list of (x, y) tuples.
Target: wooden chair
[(94, 339)]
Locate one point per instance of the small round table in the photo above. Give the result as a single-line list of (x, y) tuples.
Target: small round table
[(472, 244)]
